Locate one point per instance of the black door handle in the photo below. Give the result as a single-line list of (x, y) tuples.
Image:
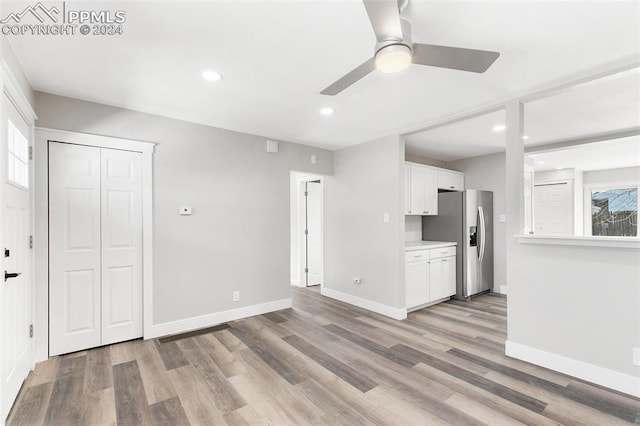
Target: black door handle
[(13, 275)]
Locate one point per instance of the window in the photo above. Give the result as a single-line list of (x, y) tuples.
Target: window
[(18, 156), (614, 212)]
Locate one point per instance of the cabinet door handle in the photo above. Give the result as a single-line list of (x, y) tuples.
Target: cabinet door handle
[(451, 187)]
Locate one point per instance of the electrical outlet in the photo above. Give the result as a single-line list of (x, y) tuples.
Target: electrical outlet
[(236, 296), (636, 356), (357, 281)]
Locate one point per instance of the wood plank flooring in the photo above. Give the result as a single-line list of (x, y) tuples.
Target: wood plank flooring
[(322, 362)]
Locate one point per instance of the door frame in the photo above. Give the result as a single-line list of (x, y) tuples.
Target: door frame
[(11, 89), (41, 229)]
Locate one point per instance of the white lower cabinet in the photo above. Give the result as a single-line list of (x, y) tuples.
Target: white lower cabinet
[(442, 278), (417, 277), (430, 276)]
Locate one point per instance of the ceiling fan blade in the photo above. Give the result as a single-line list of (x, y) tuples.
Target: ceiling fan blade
[(350, 78), (453, 57), (385, 19)]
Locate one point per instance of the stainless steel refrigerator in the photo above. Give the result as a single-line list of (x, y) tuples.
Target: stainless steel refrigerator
[(466, 218)]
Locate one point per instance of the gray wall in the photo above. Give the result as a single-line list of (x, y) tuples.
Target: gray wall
[(488, 173), (425, 160), (367, 183), (238, 235), (9, 57), (579, 302)]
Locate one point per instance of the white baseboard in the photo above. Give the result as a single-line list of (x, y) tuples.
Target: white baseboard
[(592, 373), (503, 289), (386, 310), (209, 320)]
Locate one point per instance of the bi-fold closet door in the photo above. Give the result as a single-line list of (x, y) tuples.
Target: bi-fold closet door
[(95, 246)]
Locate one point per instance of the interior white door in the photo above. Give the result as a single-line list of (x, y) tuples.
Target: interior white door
[(314, 233), (15, 290), (121, 224), (74, 248), (95, 247), (553, 209)]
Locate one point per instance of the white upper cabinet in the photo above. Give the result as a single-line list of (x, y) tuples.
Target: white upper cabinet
[(450, 181), (422, 195), (422, 184)]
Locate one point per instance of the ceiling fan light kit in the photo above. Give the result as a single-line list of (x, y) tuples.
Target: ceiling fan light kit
[(393, 58), (395, 51)]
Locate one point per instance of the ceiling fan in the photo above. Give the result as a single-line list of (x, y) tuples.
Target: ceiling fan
[(394, 50)]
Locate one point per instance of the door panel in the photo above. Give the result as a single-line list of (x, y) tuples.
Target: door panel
[(80, 295), (16, 296), (74, 248), (553, 209), (314, 237), (121, 245)]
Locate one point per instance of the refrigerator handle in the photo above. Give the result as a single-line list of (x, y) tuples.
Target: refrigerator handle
[(482, 238)]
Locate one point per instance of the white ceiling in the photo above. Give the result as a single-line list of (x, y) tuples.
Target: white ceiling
[(605, 105), (276, 56), (624, 152)]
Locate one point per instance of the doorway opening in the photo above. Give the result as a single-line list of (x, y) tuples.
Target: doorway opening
[(307, 234)]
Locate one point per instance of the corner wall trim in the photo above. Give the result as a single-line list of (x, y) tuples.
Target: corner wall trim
[(592, 373), (369, 305), (208, 320)]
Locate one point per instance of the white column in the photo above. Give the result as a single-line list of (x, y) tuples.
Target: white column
[(514, 180)]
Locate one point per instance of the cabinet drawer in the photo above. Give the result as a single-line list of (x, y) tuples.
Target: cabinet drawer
[(450, 181), (416, 255), (442, 252)]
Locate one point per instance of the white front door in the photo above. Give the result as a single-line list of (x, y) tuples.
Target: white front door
[(553, 209), (95, 247), (15, 290)]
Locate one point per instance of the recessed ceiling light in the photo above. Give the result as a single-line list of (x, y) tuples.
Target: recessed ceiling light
[(540, 162), (499, 128), (525, 137), (211, 75), (326, 111)]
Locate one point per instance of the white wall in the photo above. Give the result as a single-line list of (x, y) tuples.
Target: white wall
[(238, 235), (368, 181), (11, 61), (488, 173), (624, 175), (412, 228)]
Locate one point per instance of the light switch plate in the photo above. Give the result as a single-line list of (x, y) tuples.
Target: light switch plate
[(385, 217), (503, 218), (185, 211), (313, 159), (636, 356)]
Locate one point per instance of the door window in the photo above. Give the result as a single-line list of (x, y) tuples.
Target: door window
[(18, 156)]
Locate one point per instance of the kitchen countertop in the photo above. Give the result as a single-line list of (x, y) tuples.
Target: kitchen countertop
[(421, 245)]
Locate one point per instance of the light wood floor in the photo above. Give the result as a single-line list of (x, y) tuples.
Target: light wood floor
[(322, 362)]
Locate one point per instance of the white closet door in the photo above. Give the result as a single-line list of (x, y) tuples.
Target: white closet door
[(74, 248), (95, 245), (121, 245)]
